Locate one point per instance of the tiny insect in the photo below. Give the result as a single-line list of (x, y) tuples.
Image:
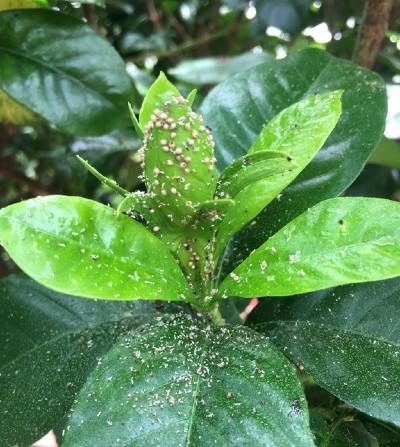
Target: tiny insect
[(295, 407)]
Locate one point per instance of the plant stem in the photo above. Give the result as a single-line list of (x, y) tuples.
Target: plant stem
[(374, 25), (215, 316)]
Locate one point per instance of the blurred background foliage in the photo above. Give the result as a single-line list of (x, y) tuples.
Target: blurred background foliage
[(198, 43)]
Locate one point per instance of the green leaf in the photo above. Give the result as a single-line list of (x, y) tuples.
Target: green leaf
[(178, 382), (191, 97), (160, 92), (350, 341), (252, 181), (75, 79), (306, 123), (144, 208), (339, 241), (361, 369), (252, 168), (13, 112), (363, 308), (212, 70), (291, 139), (386, 154), (237, 110), (50, 343), (386, 434), (218, 206), (78, 246)]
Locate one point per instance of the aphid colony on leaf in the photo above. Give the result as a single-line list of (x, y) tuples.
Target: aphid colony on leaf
[(177, 157), (178, 160)]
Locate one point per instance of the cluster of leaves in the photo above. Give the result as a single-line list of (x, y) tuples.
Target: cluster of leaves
[(177, 379)]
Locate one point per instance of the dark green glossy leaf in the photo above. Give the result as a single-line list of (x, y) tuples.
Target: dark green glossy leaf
[(372, 308), (386, 434), (213, 70), (361, 366), (75, 79), (361, 369), (339, 241), (179, 382), (237, 110), (291, 16), (78, 246), (50, 343), (376, 181)]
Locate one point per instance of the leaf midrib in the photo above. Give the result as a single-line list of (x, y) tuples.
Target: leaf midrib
[(194, 396)]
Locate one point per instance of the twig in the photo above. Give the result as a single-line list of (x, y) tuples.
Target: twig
[(154, 16), (90, 16), (181, 48), (374, 25)]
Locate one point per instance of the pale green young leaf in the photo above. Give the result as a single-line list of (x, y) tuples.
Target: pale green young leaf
[(160, 91), (310, 120), (78, 246), (299, 131), (191, 97), (339, 241), (252, 168)]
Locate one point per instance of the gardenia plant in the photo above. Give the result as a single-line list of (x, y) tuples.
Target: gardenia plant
[(214, 383)]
